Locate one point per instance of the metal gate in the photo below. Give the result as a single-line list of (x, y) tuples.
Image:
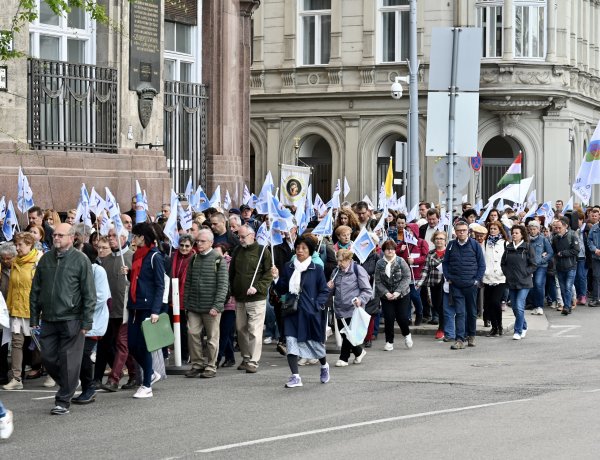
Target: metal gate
[(185, 133), (491, 172)]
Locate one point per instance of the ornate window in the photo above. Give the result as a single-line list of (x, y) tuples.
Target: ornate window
[(530, 29), (62, 38), (314, 25), (393, 27), (489, 18)]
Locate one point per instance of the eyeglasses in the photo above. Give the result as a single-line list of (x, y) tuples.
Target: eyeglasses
[(241, 237), (440, 239), (58, 235), (185, 245)]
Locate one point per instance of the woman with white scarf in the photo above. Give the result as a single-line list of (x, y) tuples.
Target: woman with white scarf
[(392, 285), (304, 329)]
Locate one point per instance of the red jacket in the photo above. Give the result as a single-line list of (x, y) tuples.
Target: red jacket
[(405, 250)]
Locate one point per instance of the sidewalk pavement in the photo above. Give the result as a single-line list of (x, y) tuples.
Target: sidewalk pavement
[(534, 323)]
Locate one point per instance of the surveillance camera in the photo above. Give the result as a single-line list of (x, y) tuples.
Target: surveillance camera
[(396, 90)]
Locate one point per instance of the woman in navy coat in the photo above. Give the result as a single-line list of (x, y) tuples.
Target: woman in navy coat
[(305, 329)]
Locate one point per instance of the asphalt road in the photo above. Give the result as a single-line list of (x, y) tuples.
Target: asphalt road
[(534, 398)]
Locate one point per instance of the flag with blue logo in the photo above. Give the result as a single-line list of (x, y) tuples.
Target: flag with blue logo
[(189, 189), (97, 203), (185, 216), (10, 220), (104, 225), (2, 208), (246, 197), (363, 245), (111, 204), (215, 199), (83, 207), (569, 205), (263, 235), (24, 193), (325, 227), (227, 201), (409, 237), (140, 209), (200, 200), (262, 205), (589, 171)]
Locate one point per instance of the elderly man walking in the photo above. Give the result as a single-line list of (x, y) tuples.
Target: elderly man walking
[(64, 294), (250, 296), (204, 298)]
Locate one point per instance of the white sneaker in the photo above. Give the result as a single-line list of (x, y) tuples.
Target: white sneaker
[(6, 425), (49, 382), (340, 363), (14, 384), (388, 346), (143, 392), (516, 336), (408, 342), (359, 358), (302, 362), (523, 333), (312, 361), (267, 340), (155, 378)]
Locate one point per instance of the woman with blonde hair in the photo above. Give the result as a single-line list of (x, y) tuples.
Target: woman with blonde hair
[(51, 217), (19, 286)]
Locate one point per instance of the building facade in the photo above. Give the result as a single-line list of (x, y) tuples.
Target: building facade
[(322, 71), (110, 104)]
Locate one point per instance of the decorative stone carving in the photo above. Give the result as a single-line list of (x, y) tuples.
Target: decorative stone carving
[(367, 75), (556, 105), (313, 79), (247, 7), (146, 94), (509, 121), (533, 78), (503, 68), (335, 76), (489, 76), (257, 79), (288, 78)]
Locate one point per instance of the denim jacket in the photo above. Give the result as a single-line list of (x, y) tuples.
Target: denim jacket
[(594, 240), (540, 245)]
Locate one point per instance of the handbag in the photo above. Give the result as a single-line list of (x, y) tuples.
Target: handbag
[(356, 331), (290, 305)]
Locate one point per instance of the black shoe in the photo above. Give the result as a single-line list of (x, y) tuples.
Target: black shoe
[(418, 320), (228, 363), (59, 410), (109, 386), (500, 330), (435, 322), (486, 324), (282, 349), (130, 385), (493, 332), (194, 372), (86, 397), (565, 311), (368, 344)]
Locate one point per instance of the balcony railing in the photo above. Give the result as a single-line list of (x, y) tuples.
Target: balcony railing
[(72, 107), (185, 132)]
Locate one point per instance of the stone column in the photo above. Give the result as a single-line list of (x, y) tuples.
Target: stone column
[(351, 159), (226, 36), (551, 37), (509, 30), (272, 160), (556, 148)]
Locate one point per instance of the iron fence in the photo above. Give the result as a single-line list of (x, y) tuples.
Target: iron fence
[(185, 132), (71, 106)]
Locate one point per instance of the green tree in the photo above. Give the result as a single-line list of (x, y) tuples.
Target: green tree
[(27, 12)]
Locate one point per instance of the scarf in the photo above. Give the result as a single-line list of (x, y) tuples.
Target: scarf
[(493, 239), (388, 266), (440, 254), (299, 267), (179, 270), (136, 267)]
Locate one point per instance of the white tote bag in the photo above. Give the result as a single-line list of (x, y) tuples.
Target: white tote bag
[(356, 331)]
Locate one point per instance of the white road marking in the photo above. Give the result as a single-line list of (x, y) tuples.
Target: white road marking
[(592, 391), (354, 425), (29, 391), (565, 328)]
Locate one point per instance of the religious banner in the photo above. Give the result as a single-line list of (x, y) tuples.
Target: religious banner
[(294, 184)]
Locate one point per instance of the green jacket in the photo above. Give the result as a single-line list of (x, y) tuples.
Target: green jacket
[(63, 289), (244, 261), (206, 283)]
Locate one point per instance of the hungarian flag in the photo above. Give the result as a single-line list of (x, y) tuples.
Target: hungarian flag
[(513, 175)]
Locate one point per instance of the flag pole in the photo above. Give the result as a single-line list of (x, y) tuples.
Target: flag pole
[(258, 265)]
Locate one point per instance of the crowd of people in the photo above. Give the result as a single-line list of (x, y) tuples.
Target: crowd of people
[(77, 299)]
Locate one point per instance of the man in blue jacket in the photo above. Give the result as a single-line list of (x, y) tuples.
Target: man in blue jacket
[(464, 267)]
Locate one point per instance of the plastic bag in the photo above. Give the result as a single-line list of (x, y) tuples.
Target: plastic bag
[(4, 316), (356, 331)]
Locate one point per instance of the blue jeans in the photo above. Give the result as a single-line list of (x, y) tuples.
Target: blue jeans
[(581, 279), (551, 287), (2, 410), (415, 298), (596, 278), (454, 319), (517, 302), (465, 300), (271, 329), (539, 286), (565, 281)]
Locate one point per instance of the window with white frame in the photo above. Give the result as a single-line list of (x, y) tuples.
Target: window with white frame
[(489, 18), (67, 38), (393, 27), (179, 58), (530, 28), (314, 38)]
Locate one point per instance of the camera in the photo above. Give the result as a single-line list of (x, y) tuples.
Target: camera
[(396, 90)]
